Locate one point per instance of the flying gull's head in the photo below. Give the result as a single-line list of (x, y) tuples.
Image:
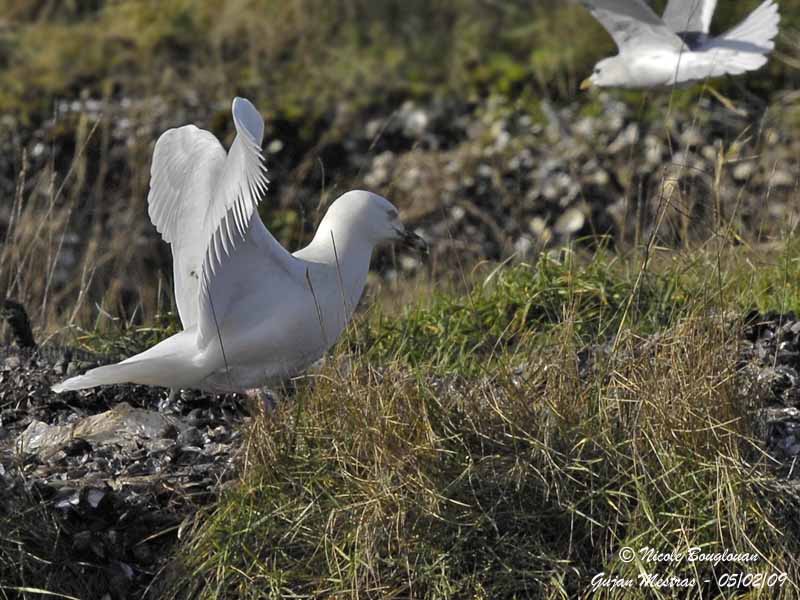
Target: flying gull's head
[(374, 218), (609, 72)]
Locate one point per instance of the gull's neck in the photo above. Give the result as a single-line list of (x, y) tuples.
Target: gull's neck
[(340, 248)]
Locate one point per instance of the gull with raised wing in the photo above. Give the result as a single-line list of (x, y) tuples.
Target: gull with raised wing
[(676, 48), (251, 311)]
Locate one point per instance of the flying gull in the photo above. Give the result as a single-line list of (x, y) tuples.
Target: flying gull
[(676, 48)]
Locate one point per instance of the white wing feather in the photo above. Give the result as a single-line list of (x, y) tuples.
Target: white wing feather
[(186, 164), (755, 34), (632, 24), (203, 202), (236, 237), (689, 15), (241, 186)]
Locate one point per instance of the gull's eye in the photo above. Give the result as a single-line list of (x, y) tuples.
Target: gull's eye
[(597, 71)]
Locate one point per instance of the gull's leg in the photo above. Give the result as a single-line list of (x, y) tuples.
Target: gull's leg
[(268, 397)]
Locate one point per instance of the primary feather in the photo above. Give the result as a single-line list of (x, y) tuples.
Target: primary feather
[(201, 197), (689, 15), (632, 24)]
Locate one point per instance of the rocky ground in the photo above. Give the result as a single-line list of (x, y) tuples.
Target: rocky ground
[(117, 467), (516, 184), (770, 372), (121, 471)]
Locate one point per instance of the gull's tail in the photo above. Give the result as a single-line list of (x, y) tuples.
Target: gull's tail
[(149, 372), (166, 364)]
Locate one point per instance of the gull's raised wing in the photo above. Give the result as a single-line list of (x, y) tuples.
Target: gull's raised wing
[(241, 184), (689, 16), (632, 24), (241, 257), (203, 202), (187, 162)]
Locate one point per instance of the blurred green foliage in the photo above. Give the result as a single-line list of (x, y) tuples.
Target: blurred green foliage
[(307, 55)]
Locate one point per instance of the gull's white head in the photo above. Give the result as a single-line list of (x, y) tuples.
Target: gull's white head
[(371, 217), (609, 72)]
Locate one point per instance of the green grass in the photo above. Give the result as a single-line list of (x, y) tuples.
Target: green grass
[(525, 478)]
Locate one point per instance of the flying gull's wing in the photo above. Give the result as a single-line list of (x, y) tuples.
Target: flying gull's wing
[(743, 48), (691, 16), (632, 24)]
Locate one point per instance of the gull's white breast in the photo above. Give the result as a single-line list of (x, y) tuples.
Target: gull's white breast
[(264, 345)]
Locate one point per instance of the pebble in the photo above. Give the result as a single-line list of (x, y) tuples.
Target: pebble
[(190, 437), (744, 170)]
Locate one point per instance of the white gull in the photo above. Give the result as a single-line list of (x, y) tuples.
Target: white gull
[(676, 48), (251, 311)]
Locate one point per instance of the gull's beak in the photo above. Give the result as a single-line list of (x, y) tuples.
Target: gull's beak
[(586, 84), (411, 240)]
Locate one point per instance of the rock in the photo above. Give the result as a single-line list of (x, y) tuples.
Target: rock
[(190, 436), (122, 426), (94, 497), (626, 139), (692, 136), (274, 147), (414, 120), (170, 432), (744, 170), (782, 178), (570, 222), (769, 374), (76, 447), (143, 554), (794, 450), (81, 541), (781, 415), (654, 151)]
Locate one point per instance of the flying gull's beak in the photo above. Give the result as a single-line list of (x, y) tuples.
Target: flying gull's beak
[(586, 84), (412, 240)]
